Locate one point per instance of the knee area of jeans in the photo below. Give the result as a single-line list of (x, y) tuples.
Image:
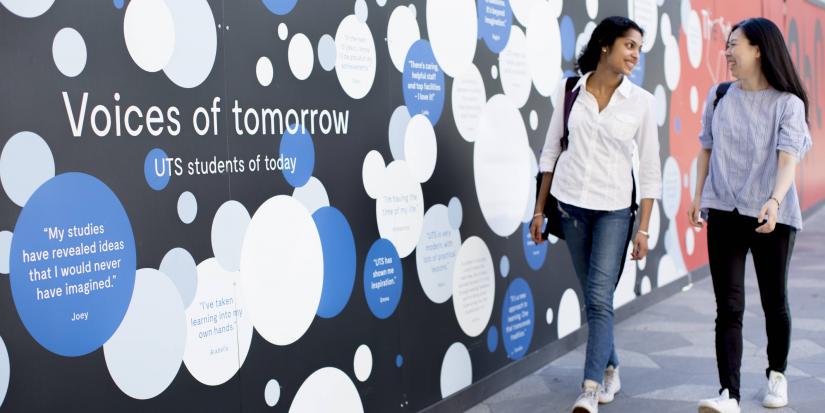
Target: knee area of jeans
[(599, 308)]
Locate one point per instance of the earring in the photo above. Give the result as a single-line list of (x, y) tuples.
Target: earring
[(604, 50)]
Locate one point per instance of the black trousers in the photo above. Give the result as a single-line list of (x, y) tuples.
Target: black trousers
[(730, 237)]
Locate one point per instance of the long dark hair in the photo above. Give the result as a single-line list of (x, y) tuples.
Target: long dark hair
[(776, 62), (604, 35)]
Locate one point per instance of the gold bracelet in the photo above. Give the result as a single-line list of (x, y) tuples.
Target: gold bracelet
[(538, 214), (643, 232)]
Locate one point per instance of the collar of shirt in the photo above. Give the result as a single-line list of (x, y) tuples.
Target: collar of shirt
[(624, 87)]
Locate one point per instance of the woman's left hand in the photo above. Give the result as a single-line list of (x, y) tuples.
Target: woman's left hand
[(639, 247), (769, 211)]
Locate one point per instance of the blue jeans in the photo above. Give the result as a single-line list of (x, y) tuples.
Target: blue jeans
[(597, 241)]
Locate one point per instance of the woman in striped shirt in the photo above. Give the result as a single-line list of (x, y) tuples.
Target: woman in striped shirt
[(753, 135)]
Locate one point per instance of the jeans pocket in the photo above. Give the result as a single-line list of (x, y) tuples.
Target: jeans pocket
[(564, 214)]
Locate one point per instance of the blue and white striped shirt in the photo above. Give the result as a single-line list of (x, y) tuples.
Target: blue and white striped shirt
[(746, 132)]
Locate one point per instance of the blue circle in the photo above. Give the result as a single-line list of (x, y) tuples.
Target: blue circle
[(455, 213), (383, 278), (280, 7), (535, 254), (298, 147), (399, 361), (338, 247), (568, 38), (492, 339), (118, 4), (570, 73), (156, 169), (494, 22), (504, 266), (423, 82), (637, 76), (75, 233), (517, 319)]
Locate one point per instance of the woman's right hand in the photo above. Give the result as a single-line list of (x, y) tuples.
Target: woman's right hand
[(694, 214), (535, 229)]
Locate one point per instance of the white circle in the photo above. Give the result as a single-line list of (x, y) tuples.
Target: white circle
[(544, 48), (569, 313), (592, 8), (515, 78), (187, 207), (468, 100), (684, 11), (399, 120), (26, 162), (645, 285), (27, 9), (549, 316), (282, 270), (668, 271), (399, 210), (436, 253), (362, 363), (413, 9), (149, 31), (196, 42), (494, 72), (327, 390), (474, 286), (655, 225), (645, 13), (145, 353), (355, 57), (264, 71), (420, 148), (673, 64), (326, 52), (584, 37), (642, 263), (218, 329), (501, 167), (227, 235), (381, 3), (313, 195), (452, 27), (283, 31), (179, 266), (5, 252), (665, 31), (301, 57), (693, 36), (373, 174), (361, 10), (402, 32), (694, 99), (456, 370), (534, 120), (690, 240), (69, 52), (625, 289), (272, 393), (5, 370), (522, 9), (671, 187), (660, 96)]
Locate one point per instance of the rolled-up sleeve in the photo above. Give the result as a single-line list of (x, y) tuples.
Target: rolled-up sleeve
[(706, 135), (794, 137), (552, 141), (650, 168)]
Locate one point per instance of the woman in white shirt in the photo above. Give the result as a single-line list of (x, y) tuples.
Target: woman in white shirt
[(593, 182)]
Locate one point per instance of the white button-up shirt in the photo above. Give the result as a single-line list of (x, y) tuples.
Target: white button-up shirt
[(595, 170)]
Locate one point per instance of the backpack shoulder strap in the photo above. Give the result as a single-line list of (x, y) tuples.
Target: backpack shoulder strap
[(570, 96), (720, 92)]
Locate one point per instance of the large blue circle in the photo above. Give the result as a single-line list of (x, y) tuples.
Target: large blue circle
[(568, 38), (383, 278), (423, 82), (94, 225), (338, 246), (637, 76), (534, 253), (494, 22), (299, 146), (517, 319), (156, 169), (280, 7)]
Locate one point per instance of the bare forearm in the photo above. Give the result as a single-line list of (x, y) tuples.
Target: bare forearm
[(544, 190), (645, 208)]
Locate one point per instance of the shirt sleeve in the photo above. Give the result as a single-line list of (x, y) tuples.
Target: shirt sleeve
[(794, 136), (552, 141), (706, 135), (650, 168)]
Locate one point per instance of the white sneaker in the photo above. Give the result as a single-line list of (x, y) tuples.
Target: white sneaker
[(588, 401), (612, 385), (721, 404), (776, 395)]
